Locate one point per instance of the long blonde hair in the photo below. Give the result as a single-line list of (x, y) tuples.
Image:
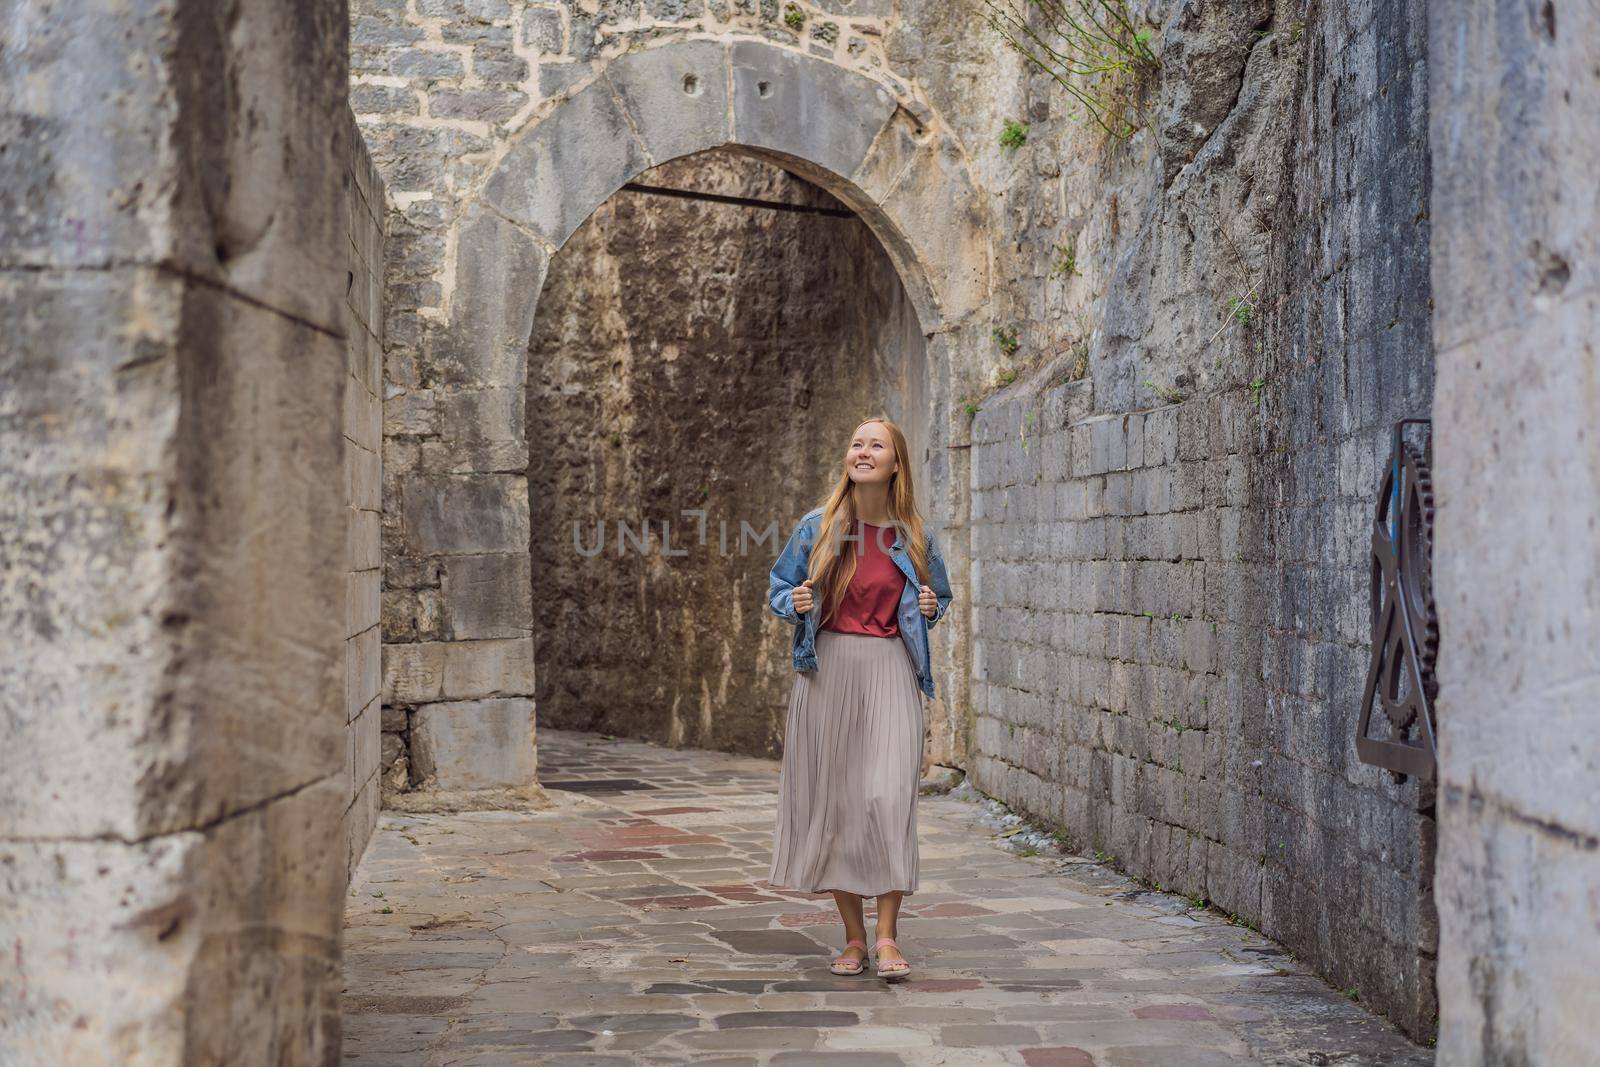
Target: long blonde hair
[(830, 567)]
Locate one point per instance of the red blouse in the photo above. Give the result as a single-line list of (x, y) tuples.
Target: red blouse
[(872, 599)]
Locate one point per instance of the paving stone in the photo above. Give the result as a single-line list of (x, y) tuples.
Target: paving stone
[(1058, 1056), (645, 913), (836, 1059), (1172, 1056), (771, 942), (786, 1018), (988, 1035)]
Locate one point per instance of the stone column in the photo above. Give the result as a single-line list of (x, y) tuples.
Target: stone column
[(172, 531), (1516, 225)]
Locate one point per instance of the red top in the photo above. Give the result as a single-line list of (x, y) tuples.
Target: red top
[(872, 599)]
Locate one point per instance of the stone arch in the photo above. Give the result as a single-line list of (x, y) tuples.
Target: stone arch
[(892, 162)]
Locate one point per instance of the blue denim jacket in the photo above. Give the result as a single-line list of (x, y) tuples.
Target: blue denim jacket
[(790, 571)]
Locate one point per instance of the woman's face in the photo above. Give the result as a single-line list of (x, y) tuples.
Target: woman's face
[(870, 458)]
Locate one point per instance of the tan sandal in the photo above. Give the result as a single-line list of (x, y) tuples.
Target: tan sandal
[(847, 961), (896, 968)]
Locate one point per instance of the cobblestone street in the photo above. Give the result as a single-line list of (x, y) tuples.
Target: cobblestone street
[(632, 924)]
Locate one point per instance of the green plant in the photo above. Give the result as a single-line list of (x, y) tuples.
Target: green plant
[(1066, 261), (1256, 385), (1013, 134), (793, 17), (1006, 338), (1240, 307), (1091, 48), (1170, 393), (1028, 852), (971, 407), (1008, 376), (1353, 994)]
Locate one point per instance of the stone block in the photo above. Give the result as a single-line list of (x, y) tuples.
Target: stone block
[(556, 173), (677, 96), (488, 596), (363, 671), (363, 600), (363, 749), (476, 744), (500, 269), (456, 670), (461, 514), (362, 541), (260, 533), (168, 951), (542, 30), (362, 478), (806, 107), (480, 430)]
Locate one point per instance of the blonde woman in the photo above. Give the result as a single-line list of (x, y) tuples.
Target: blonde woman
[(862, 582)]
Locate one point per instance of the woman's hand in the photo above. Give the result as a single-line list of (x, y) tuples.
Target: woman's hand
[(802, 597), (927, 601)]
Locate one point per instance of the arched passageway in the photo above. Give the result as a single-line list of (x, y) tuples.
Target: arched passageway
[(696, 362), (462, 693)]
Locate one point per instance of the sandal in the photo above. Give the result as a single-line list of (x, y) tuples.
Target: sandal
[(895, 968), (847, 961)]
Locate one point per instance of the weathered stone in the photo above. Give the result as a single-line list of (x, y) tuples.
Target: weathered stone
[(487, 596), (542, 30), (466, 513), (559, 171), (501, 269), (479, 744), (456, 670), (1516, 318), (677, 97), (180, 918), (805, 107)]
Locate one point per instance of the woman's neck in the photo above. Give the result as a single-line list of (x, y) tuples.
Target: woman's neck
[(872, 504)]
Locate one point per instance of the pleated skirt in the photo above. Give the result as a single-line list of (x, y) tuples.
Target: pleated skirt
[(852, 754)]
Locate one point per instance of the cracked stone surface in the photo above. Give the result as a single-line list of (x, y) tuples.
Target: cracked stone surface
[(632, 924)]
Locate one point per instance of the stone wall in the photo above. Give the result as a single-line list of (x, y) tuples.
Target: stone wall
[(696, 360), (1517, 321), (173, 526), (365, 212), (1169, 577)]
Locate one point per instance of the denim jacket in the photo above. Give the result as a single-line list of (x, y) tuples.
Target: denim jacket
[(790, 571)]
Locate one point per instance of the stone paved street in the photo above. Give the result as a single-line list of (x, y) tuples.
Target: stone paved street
[(632, 924)]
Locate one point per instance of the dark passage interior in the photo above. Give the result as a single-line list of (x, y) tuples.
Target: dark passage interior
[(695, 357)]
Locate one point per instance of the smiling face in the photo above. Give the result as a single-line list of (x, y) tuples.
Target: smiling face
[(870, 458)]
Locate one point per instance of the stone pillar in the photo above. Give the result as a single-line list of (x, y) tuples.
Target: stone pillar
[(1516, 225), (172, 531)]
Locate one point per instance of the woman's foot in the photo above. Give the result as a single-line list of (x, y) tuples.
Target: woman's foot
[(891, 962), (853, 960)]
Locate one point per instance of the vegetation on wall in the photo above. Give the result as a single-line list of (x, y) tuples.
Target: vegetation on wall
[(1091, 48)]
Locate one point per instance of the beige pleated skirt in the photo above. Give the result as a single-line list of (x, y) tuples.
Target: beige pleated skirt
[(852, 753)]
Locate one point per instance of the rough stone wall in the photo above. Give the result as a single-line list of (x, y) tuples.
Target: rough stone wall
[(695, 361), (1170, 505), (172, 525), (1517, 248), (365, 213)]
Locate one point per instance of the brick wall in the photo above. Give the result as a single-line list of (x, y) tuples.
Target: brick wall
[(1170, 603)]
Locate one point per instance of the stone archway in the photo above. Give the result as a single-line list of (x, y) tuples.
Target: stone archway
[(891, 161)]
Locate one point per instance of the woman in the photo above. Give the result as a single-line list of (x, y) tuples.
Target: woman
[(862, 582)]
